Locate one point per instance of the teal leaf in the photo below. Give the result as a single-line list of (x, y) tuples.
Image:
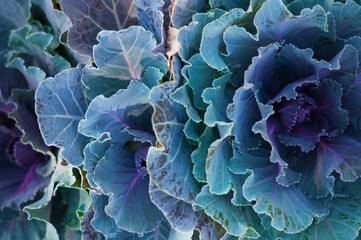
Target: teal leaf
[(101, 221), (193, 131), (219, 177), (342, 223), (201, 76), (129, 202), (184, 9), (212, 38), (56, 18), (275, 22), (190, 36), (60, 104), (297, 6), (93, 152), (34, 46), (290, 209), (184, 95), (33, 75), (126, 111), (244, 113), (230, 4), (199, 156), (89, 18), (236, 220), (152, 77), (218, 97), (189, 220), (238, 198), (170, 166), (120, 57), (66, 202)]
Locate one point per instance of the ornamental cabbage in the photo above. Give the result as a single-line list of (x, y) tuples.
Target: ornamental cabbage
[(180, 119), (271, 126)]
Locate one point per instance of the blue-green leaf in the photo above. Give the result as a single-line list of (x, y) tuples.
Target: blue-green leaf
[(89, 18), (275, 22), (170, 166), (190, 36), (14, 225), (126, 111), (13, 16), (129, 203), (219, 177), (184, 9), (290, 209), (120, 57), (237, 221), (212, 38), (60, 104)]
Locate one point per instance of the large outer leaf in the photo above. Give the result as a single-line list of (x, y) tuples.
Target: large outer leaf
[(129, 202), (60, 104), (120, 57), (90, 17), (126, 111), (290, 209), (19, 184), (170, 166)]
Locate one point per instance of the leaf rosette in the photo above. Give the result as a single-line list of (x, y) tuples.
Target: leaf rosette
[(262, 121)]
